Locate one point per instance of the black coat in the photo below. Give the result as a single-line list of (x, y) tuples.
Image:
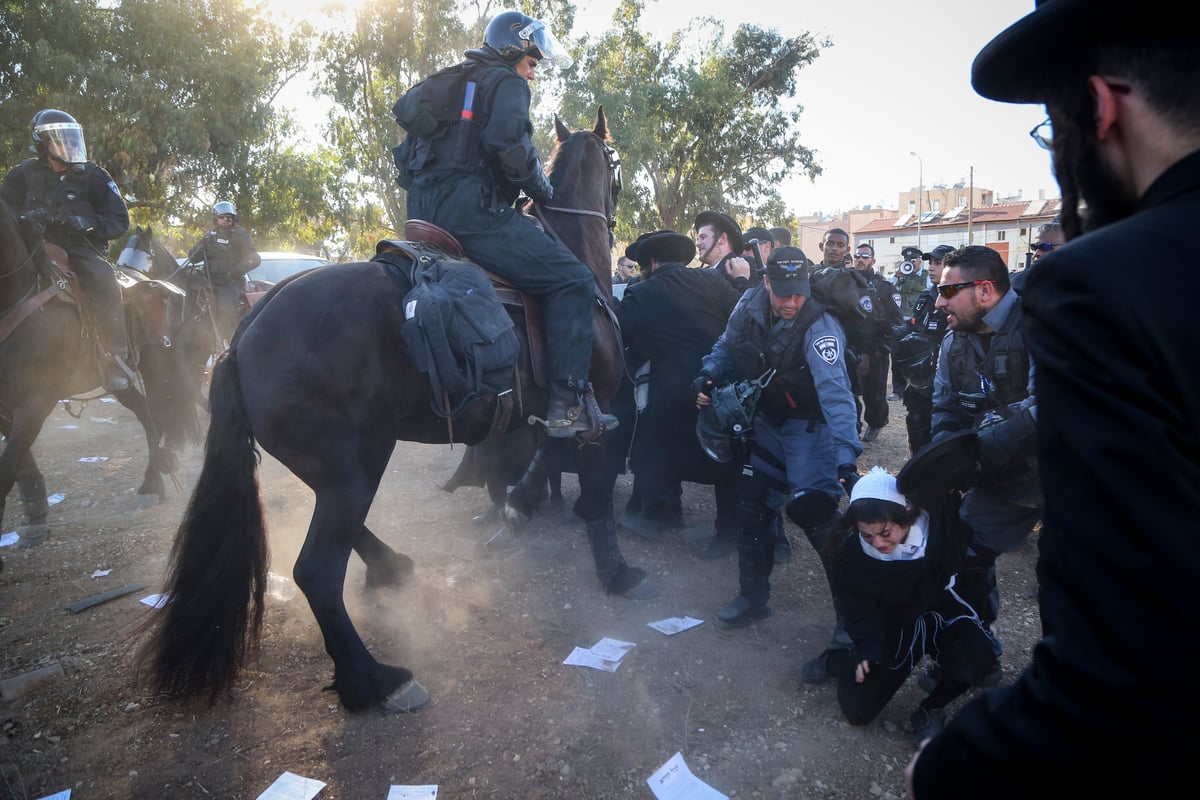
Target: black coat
[(672, 319), (1111, 697)]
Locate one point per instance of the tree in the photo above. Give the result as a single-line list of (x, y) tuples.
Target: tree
[(701, 120)]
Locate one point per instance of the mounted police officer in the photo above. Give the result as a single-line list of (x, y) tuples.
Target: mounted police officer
[(228, 253), (915, 347), (79, 207), (984, 382), (467, 156), (804, 446)]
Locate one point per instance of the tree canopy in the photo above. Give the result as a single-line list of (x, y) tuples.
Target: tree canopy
[(179, 101)]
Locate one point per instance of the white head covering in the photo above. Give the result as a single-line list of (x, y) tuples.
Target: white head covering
[(879, 485)]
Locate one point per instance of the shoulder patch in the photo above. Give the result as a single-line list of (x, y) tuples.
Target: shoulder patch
[(113, 185), (827, 348), (865, 303)]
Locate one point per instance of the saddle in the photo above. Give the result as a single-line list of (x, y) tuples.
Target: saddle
[(417, 230)]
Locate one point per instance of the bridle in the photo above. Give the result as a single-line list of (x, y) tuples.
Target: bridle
[(609, 214)]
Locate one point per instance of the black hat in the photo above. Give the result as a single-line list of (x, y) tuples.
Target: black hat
[(939, 253), (787, 267), (662, 245), (725, 224), (762, 234), (1015, 66), (911, 252)]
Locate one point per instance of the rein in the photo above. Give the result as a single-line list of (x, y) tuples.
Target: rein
[(608, 215)]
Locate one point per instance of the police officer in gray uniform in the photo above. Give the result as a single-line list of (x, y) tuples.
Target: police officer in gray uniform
[(805, 445), (467, 156), (984, 382)]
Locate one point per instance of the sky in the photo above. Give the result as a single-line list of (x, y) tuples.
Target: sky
[(895, 81)]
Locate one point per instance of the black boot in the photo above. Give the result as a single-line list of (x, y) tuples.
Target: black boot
[(615, 575), (567, 414), (756, 556)]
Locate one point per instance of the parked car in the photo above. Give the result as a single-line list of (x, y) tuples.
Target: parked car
[(276, 266)]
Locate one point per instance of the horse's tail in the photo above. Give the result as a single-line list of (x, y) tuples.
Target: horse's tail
[(218, 566)]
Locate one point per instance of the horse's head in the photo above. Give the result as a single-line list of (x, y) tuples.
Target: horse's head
[(136, 253), (585, 171), (16, 252)]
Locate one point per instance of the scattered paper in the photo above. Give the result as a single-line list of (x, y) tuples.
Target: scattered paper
[(675, 625), (54, 499), (100, 573), (9, 539), (290, 786), (108, 399), (674, 781), (604, 655), (158, 601), (105, 420), (68, 427), (92, 459), (65, 794), (412, 792)]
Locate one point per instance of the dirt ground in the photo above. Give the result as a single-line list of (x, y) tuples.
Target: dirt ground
[(486, 635)]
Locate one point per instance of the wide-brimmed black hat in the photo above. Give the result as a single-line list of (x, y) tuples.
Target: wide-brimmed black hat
[(787, 267), (1017, 65), (725, 224), (665, 245)]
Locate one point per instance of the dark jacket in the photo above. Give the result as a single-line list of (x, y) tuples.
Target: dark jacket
[(1109, 700), (671, 319), (228, 256), (89, 193)]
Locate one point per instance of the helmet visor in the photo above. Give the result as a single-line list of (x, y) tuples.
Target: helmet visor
[(64, 141), (541, 37)]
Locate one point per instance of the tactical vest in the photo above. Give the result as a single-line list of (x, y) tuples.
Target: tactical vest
[(792, 393), (63, 194), (442, 116), (1000, 379)]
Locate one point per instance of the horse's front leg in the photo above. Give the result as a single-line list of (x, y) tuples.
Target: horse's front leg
[(17, 465), (159, 461), (385, 567)]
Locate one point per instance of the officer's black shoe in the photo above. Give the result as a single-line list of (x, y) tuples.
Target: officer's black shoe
[(720, 545), (115, 379), (567, 415), (927, 723), (871, 434), (817, 670), (741, 612)]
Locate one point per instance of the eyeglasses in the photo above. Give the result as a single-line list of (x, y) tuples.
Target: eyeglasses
[(1046, 247), (863, 256), (1043, 134), (948, 290)]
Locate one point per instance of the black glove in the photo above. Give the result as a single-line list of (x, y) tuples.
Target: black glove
[(848, 476), (79, 224), (702, 384), (538, 188), (36, 216)]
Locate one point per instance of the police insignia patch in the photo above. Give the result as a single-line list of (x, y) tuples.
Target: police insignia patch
[(827, 348), (865, 302)]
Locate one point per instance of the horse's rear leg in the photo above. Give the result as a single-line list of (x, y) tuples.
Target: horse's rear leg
[(360, 681)]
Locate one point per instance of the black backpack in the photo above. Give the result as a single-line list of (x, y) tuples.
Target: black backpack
[(455, 329)]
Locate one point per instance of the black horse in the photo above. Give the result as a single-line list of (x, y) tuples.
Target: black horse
[(47, 353), (317, 375)]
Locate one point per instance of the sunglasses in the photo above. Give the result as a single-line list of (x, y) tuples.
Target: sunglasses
[(863, 256), (948, 290), (1043, 134), (1046, 247)]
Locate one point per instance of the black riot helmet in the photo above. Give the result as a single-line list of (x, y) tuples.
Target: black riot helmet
[(515, 35), (225, 207), (56, 134), (728, 418), (914, 359)]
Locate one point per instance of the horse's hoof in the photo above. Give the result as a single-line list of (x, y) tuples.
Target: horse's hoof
[(643, 590), (32, 535), (489, 517), (143, 501), (514, 519), (410, 697)]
